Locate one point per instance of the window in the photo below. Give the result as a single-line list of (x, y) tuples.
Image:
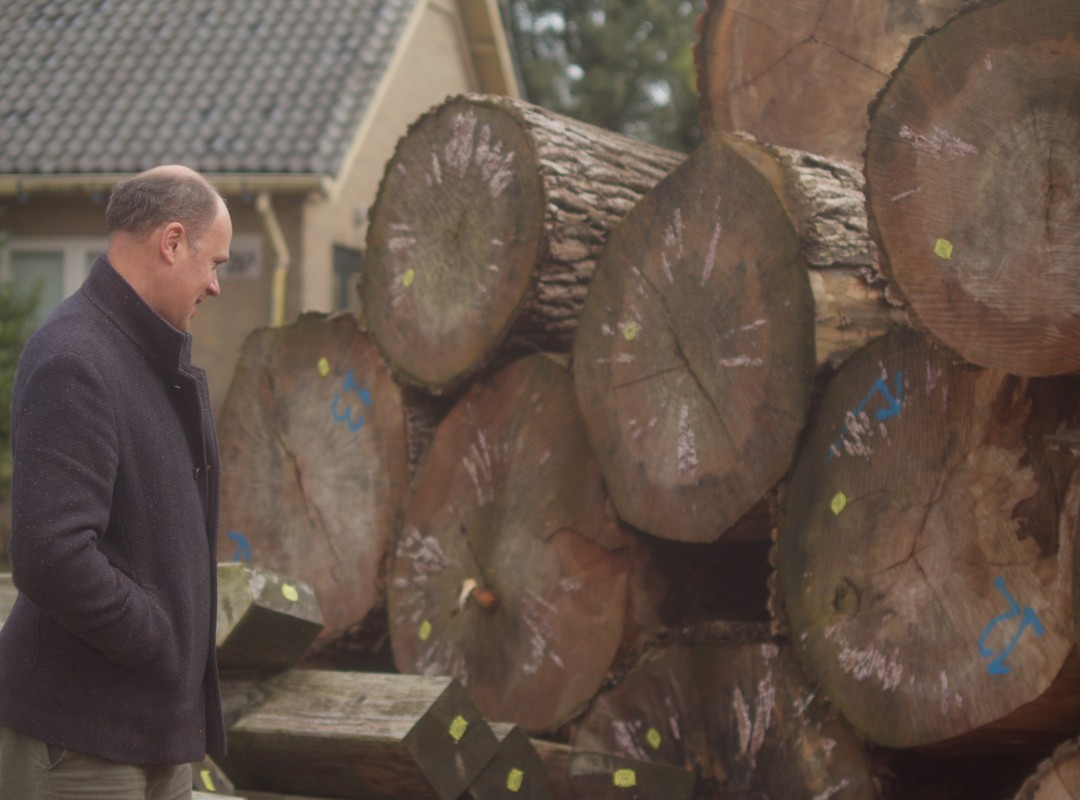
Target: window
[(348, 261), (54, 267)]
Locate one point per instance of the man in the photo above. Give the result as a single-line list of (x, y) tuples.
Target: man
[(108, 675)]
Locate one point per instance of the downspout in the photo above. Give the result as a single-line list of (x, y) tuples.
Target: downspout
[(281, 256)]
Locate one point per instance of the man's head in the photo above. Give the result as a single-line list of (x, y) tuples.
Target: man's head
[(169, 231)]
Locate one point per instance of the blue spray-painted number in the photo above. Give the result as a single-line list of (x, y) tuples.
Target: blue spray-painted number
[(349, 384), (998, 665), (894, 403), (243, 549)]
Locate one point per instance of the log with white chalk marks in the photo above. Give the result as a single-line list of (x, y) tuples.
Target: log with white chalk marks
[(314, 463), (924, 560), (509, 573), (485, 232), (971, 168), (729, 703), (695, 355)]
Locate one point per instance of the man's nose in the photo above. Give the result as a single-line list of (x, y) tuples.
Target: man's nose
[(214, 289)]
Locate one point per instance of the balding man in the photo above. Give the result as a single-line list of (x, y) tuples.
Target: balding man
[(108, 677)]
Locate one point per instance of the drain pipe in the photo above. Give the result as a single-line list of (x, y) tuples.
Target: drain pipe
[(281, 255)]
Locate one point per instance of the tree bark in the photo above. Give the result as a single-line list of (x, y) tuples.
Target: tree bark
[(729, 703), (509, 572), (485, 232), (1057, 778), (695, 356), (355, 735), (970, 164), (312, 439), (801, 74), (924, 559)]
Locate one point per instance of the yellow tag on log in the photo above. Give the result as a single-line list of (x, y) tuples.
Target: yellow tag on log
[(408, 278), (207, 780), (290, 592), (943, 249), (514, 779), (425, 630), (629, 331), (653, 738), (839, 503), (458, 727), (625, 778), (324, 367)]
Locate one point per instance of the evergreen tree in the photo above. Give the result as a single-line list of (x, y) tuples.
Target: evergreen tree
[(624, 65)]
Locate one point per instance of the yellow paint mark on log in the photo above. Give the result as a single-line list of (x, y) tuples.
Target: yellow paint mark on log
[(653, 738), (625, 778), (839, 503), (943, 249), (458, 727), (630, 331), (514, 779), (324, 367), (425, 630), (408, 278), (290, 592), (207, 780)]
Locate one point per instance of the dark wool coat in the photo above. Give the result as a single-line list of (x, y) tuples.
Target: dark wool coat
[(109, 649)]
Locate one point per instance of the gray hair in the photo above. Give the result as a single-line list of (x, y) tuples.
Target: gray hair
[(159, 196)]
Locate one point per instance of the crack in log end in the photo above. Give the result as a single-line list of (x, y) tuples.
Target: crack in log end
[(314, 513)]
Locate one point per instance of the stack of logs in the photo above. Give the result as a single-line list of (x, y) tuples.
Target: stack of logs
[(757, 464)]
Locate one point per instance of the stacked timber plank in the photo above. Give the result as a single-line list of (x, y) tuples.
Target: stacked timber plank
[(753, 471)]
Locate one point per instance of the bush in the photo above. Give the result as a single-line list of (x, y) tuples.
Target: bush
[(16, 324)]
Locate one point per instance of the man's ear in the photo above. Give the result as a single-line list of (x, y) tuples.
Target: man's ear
[(171, 240)]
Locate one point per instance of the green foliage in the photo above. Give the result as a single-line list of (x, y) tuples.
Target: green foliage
[(16, 324), (624, 65)]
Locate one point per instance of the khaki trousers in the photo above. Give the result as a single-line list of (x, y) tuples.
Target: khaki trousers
[(33, 770)]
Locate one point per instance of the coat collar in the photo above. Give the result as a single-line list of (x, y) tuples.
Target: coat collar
[(167, 346)]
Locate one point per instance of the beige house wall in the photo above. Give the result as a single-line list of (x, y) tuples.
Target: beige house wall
[(221, 324), (432, 64)]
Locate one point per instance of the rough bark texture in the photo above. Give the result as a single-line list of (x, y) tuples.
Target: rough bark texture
[(801, 72), (971, 164), (695, 355), (826, 201), (486, 230), (925, 556), (732, 705), (509, 573), (1057, 778), (312, 439)]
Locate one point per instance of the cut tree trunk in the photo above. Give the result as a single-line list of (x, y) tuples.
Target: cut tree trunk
[(1057, 778), (581, 775), (312, 439), (509, 572), (971, 168), (355, 735), (485, 232), (925, 556), (801, 72), (732, 705), (695, 356)]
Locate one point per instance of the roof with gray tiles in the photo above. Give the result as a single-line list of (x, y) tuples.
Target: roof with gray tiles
[(259, 86)]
